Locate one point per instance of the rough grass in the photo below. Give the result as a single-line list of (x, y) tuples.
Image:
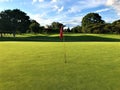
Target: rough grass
[(68, 37), (40, 66)]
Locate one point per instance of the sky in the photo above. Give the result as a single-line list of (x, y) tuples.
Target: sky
[(68, 12)]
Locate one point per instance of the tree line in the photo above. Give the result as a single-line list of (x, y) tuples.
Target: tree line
[(93, 23), (18, 22)]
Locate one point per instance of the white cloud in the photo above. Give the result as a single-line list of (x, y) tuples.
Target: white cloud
[(110, 19), (54, 1), (110, 2), (55, 7), (41, 0), (73, 21), (60, 6), (115, 4), (102, 10), (34, 1), (85, 4), (60, 9), (59, 18), (40, 19), (74, 9), (67, 10), (76, 20)]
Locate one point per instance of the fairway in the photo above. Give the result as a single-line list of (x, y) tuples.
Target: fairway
[(40, 66)]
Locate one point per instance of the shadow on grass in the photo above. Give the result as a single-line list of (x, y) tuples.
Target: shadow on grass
[(82, 38)]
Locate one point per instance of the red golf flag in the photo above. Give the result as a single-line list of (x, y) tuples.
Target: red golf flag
[(61, 32)]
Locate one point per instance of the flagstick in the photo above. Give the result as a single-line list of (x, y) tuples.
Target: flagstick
[(63, 40)]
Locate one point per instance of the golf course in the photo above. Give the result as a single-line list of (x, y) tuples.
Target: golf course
[(44, 62)]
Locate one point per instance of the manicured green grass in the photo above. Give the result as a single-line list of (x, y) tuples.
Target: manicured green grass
[(40, 66)]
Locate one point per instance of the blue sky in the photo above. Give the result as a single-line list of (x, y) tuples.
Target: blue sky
[(68, 12)]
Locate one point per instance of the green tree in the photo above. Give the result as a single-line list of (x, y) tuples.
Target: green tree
[(14, 21), (68, 29), (56, 26), (91, 19), (117, 22), (21, 20), (42, 29), (77, 29), (107, 28), (96, 28), (116, 26), (6, 24), (34, 27)]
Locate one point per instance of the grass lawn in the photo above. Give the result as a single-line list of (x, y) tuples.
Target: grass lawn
[(40, 66), (68, 37)]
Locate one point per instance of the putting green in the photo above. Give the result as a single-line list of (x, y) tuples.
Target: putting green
[(40, 66)]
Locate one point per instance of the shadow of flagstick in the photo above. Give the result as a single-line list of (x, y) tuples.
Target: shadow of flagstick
[(65, 52)]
